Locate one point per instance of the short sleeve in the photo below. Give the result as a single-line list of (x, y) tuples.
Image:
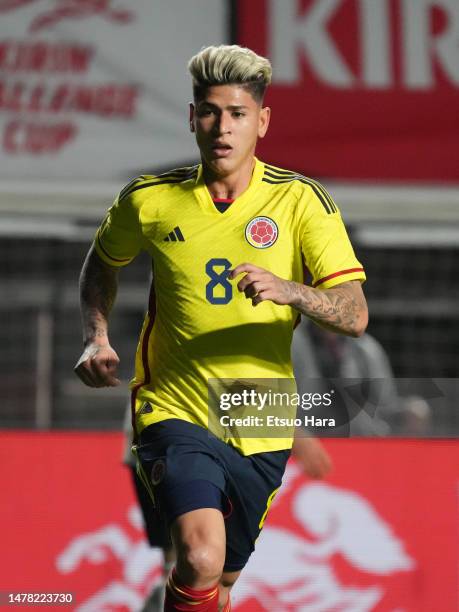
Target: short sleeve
[(325, 244), (119, 238)]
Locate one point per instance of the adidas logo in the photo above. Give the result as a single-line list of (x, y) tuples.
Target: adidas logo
[(175, 235)]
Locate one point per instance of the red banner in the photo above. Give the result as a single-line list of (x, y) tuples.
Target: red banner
[(379, 535), (362, 89)]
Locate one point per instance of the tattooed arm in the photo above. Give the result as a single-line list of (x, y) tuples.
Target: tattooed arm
[(342, 309), (98, 364)]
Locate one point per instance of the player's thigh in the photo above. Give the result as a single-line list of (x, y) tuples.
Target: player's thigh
[(179, 469), (255, 481)]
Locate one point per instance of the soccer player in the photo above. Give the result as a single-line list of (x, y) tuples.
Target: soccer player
[(229, 239)]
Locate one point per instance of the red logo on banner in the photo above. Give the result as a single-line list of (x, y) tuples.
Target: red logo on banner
[(11, 5), (43, 112), (340, 553), (70, 9), (131, 565)]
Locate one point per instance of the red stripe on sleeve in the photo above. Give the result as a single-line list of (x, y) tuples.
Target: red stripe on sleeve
[(335, 274)]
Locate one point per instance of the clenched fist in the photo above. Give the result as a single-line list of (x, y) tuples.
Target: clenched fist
[(98, 365)]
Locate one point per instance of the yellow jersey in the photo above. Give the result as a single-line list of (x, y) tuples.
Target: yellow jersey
[(198, 326)]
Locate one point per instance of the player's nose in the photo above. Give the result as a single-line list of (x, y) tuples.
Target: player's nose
[(223, 124)]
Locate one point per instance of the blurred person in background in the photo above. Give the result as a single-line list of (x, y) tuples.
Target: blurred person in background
[(367, 407), (415, 417), (230, 217)]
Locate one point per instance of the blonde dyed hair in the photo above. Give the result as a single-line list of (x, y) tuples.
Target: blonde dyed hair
[(230, 65)]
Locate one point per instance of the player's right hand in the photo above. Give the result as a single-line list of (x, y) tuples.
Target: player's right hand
[(98, 365)]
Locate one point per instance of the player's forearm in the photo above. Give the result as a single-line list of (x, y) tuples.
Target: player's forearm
[(98, 288), (342, 309)]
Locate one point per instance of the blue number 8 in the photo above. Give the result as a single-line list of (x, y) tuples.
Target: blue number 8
[(218, 279)]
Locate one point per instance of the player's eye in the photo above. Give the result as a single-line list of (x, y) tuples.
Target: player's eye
[(238, 114), (206, 112)]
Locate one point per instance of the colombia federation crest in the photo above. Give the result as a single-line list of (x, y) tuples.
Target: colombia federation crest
[(261, 232)]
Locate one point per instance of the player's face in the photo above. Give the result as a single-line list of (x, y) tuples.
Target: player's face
[(227, 122)]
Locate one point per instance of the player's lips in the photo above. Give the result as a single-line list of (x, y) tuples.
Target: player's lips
[(221, 149)]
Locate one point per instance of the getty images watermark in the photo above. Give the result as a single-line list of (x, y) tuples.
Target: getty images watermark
[(338, 407), (266, 408), (269, 400)]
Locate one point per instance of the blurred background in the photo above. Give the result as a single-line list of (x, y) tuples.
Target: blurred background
[(365, 98)]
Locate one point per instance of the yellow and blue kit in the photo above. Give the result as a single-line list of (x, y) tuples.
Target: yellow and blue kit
[(198, 326)]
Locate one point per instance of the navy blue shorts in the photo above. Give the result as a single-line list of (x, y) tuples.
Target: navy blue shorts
[(186, 468), (156, 528)]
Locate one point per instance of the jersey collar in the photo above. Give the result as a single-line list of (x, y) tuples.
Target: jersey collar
[(205, 199)]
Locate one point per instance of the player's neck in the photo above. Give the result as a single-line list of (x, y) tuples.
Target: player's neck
[(229, 186)]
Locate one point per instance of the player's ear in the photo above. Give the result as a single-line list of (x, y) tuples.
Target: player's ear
[(263, 121), (191, 119)]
